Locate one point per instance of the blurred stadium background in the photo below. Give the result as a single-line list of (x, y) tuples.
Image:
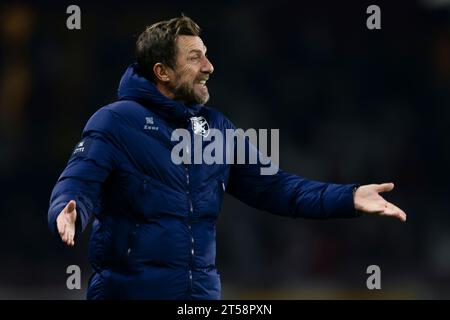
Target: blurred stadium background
[(352, 105)]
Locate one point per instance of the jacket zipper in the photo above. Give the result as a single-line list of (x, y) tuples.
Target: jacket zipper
[(191, 211)]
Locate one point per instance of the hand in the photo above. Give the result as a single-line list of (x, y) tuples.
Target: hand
[(66, 223), (368, 200)]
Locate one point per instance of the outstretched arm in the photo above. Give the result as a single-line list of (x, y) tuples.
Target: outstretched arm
[(291, 195), (77, 193)]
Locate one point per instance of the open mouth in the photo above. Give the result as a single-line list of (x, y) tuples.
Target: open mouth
[(202, 82)]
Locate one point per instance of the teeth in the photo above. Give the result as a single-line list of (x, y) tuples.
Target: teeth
[(202, 82)]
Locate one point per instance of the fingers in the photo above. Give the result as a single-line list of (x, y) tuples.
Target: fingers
[(64, 235), (67, 236), (394, 211), (61, 230), (66, 232), (385, 187), (65, 223), (70, 241)]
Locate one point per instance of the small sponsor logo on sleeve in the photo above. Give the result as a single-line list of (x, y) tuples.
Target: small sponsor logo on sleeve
[(82, 147)]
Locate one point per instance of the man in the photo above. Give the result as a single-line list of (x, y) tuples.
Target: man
[(154, 229)]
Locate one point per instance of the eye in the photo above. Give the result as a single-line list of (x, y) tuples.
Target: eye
[(195, 58)]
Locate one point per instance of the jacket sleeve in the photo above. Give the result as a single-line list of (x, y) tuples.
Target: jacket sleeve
[(91, 162), (288, 194)]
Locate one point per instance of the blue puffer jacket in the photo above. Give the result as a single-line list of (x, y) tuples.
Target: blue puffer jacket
[(154, 221)]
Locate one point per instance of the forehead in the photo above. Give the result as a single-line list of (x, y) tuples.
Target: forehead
[(188, 43)]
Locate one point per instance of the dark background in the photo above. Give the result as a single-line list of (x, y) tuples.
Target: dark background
[(352, 105)]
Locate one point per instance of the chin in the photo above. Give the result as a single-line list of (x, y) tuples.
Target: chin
[(201, 99), (204, 100), (201, 96)]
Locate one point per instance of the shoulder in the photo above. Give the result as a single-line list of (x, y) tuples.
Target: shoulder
[(115, 115), (214, 116)]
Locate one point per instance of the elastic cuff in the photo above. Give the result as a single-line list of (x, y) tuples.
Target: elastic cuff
[(339, 202)]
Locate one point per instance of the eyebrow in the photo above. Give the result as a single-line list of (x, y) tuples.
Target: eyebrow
[(198, 50)]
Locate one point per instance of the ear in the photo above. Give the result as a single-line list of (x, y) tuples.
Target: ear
[(161, 72)]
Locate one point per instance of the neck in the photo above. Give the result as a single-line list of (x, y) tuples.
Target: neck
[(165, 91)]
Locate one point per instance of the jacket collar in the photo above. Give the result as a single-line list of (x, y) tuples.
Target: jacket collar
[(134, 86)]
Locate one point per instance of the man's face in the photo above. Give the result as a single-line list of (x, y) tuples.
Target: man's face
[(191, 71)]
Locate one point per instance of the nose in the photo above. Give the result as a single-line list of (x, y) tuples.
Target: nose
[(207, 66)]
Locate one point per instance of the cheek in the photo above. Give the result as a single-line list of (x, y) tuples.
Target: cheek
[(188, 74), (185, 78)]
